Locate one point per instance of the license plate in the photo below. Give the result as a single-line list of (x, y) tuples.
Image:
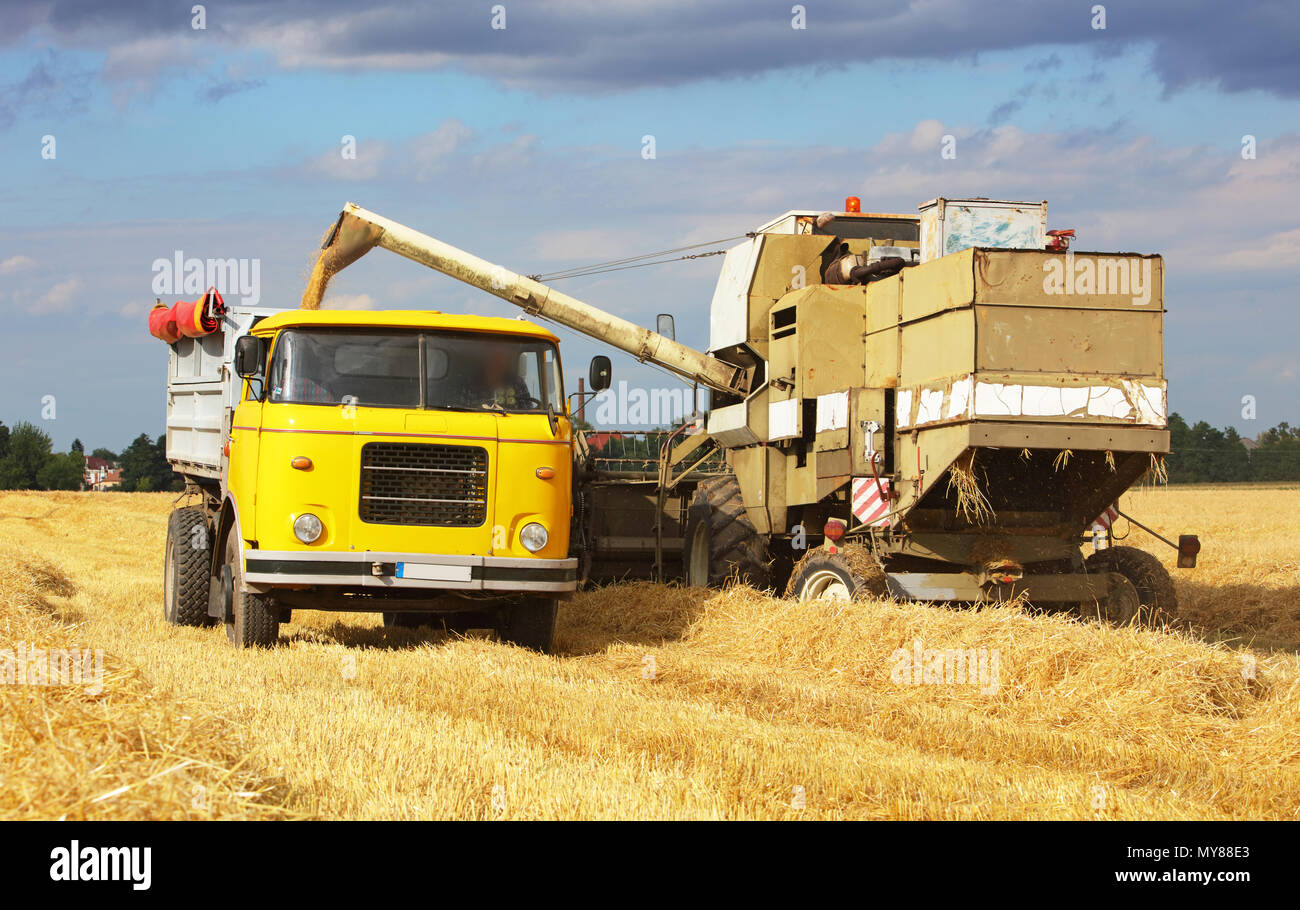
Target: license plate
[(424, 572)]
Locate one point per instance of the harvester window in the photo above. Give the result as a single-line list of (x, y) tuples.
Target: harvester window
[(862, 228)]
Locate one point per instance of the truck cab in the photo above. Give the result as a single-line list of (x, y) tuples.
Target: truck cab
[(410, 463)]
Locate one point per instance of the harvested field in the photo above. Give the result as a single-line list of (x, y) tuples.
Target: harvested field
[(664, 703)]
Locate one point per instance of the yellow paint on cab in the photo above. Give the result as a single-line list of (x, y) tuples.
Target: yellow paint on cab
[(270, 493)]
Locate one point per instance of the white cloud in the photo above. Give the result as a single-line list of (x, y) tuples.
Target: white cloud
[(582, 246), (348, 302), (423, 158), (16, 264), (431, 152), (367, 165), (58, 297)]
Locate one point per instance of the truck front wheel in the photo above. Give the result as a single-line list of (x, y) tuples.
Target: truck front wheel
[(256, 618), (529, 623), (185, 568)]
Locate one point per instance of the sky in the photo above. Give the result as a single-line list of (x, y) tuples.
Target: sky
[(518, 131)]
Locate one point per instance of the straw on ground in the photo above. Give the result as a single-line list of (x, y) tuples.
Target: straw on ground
[(663, 702)]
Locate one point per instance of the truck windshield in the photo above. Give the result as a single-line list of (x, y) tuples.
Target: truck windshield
[(434, 370)]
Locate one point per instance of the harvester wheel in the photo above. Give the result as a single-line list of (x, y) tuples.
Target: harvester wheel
[(1155, 589), (186, 568), (256, 617), (850, 573), (529, 623), (720, 541)]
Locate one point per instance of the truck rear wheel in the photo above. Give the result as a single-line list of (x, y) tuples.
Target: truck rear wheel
[(186, 568), (720, 541), (850, 573), (256, 617), (529, 623), (1155, 589)]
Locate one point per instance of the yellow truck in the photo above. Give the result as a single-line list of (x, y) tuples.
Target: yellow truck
[(410, 463)]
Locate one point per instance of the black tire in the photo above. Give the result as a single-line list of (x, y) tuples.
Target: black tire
[(720, 542), (1155, 589), (410, 620), (257, 618), (186, 568), (850, 573), (529, 623)]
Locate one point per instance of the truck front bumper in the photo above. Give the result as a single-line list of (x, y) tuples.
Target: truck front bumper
[(413, 571)]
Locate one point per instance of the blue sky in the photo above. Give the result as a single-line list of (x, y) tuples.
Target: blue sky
[(524, 144)]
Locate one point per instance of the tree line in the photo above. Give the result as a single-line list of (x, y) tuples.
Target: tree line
[(1200, 454), (28, 462)]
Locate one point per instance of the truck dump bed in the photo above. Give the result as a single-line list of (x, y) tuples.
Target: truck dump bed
[(202, 390)]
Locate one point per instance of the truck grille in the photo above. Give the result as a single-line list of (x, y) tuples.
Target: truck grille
[(405, 483)]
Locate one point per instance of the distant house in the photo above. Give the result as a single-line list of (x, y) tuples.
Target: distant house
[(101, 474), (1250, 444)]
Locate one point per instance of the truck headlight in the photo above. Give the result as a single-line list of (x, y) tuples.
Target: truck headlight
[(308, 528), (533, 537)]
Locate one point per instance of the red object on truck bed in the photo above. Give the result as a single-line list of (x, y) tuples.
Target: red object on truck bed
[(188, 318)]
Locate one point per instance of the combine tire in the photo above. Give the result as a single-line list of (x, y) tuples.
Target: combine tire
[(529, 623), (1155, 599), (186, 568), (851, 573), (720, 541), (257, 618)]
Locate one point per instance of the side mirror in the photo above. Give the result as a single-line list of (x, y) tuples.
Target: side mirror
[(664, 326), (598, 377), (250, 355)]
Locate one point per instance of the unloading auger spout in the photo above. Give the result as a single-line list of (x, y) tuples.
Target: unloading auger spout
[(357, 231)]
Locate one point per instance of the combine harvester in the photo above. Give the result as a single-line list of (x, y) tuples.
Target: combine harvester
[(934, 407)]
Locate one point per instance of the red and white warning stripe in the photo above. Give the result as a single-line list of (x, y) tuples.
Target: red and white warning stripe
[(1107, 518), (869, 506)]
